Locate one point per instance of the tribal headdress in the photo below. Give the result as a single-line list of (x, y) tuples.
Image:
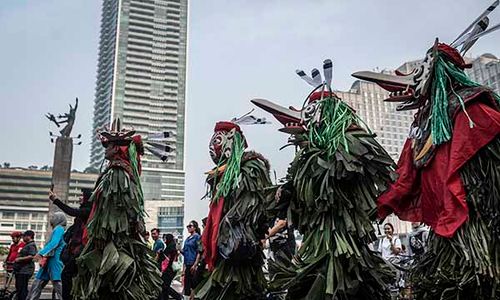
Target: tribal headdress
[(432, 87), (323, 119), (128, 147), (226, 149)]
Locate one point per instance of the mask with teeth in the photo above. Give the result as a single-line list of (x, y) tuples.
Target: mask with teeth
[(410, 89), (434, 88), (222, 141)]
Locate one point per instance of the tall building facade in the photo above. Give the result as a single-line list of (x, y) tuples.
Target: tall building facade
[(485, 70), (24, 202), (141, 80)]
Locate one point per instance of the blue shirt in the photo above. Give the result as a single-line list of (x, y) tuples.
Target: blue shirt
[(158, 246), (190, 249)]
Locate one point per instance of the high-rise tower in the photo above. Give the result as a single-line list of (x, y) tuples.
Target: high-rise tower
[(141, 79)]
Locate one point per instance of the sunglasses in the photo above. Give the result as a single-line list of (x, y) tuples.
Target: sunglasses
[(189, 226)]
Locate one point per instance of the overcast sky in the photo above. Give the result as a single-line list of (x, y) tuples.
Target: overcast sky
[(237, 50)]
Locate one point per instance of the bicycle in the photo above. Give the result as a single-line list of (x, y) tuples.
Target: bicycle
[(5, 292)]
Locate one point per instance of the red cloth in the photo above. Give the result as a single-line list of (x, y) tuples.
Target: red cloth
[(211, 232), (435, 194), (85, 234)]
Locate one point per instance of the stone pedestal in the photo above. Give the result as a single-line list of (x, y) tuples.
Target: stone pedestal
[(61, 172)]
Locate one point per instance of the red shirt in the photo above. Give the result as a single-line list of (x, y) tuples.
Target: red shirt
[(13, 251)]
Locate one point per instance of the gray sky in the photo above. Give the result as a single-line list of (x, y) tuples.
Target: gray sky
[(237, 50)]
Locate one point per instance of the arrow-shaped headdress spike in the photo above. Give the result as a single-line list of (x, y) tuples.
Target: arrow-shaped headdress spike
[(160, 154), (493, 28), (306, 78), (160, 146), (328, 71), (316, 76), (160, 135), (480, 27), (492, 7), (250, 120)]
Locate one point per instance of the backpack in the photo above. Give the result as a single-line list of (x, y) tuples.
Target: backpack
[(417, 243)]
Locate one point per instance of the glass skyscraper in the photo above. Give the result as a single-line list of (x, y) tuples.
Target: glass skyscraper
[(141, 79)]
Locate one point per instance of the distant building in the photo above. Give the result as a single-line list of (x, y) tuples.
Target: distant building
[(24, 202), (485, 70), (141, 79)]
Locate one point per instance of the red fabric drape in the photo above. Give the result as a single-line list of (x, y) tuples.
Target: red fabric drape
[(435, 194), (211, 232)]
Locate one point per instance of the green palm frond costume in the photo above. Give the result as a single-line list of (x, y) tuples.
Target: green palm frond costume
[(236, 222), (116, 263), (335, 178)]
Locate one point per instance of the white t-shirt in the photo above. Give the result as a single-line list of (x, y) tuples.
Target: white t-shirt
[(384, 247)]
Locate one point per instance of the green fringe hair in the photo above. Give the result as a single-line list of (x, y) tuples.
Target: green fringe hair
[(230, 178), (336, 117), (445, 75)]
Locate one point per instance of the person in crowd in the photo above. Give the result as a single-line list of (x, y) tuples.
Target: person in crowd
[(158, 245), (24, 267), (190, 251), (280, 234), (167, 270), (390, 246), (49, 259), (418, 239), (73, 237), (200, 262), (15, 247), (147, 239)]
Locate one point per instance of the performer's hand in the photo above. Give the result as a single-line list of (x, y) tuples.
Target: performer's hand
[(193, 269), (37, 257), (52, 195)]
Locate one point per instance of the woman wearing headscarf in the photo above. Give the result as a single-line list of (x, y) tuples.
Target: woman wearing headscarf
[(50, 254)]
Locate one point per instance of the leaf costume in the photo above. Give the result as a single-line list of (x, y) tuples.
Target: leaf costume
[(449, 175), (116, 263), (335, 178), (236, 222)]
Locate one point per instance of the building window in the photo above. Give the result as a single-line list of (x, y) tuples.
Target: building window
[(21, 226), (23, 216), (37, 226), (170, 222), (171, 211), (38, 216), (8, 215)]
